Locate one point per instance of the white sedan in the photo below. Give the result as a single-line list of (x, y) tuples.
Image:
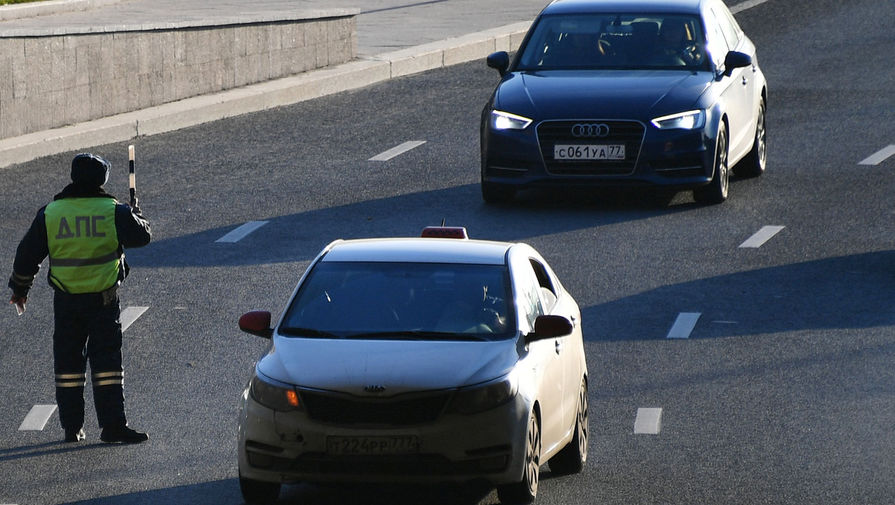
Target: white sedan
[(420, 360)]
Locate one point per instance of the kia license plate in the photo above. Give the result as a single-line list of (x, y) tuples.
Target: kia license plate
[(372, 446)]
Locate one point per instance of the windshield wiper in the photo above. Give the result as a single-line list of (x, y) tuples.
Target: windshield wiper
[(418, 335), (307, 332)]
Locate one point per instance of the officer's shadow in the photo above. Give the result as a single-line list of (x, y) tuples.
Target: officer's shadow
[(44, 449)]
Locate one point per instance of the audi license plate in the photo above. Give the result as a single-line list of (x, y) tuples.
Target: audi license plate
[(372, 446), (575, 152)]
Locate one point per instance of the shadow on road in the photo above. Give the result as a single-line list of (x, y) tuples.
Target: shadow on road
[(299, 237), (226, 492), (843, 292)]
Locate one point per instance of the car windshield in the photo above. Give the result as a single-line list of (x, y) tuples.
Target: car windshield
[(402, 301), (615, 41)]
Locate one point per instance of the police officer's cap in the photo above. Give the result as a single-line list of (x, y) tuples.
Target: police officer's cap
[(90, 170)]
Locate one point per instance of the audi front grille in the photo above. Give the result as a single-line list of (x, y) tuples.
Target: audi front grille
[(591, 132)]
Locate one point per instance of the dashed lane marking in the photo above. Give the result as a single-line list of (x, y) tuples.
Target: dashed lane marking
[(879, 156), (130, 314), (648, 421), (397, 150), (37, 418), (740, 7), (761, 236), (241, 232), (683, 325)]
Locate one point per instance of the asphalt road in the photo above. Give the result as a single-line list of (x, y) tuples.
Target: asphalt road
[(782, 392)]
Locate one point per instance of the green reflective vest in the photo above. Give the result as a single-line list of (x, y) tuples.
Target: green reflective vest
[(83, 244)]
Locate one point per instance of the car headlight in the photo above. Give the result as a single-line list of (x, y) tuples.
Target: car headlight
[(690, 120), (481, 398), (505, 121), (274, 397)]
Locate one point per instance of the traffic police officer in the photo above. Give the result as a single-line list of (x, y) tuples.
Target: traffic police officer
[(84, 232)]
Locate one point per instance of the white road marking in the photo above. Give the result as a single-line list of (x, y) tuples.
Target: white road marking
[(130, 314), (648, 421), (683, 325), (395, 151), (761, 236), (241, 232), (740, 7), (880, 156), (37, 418)]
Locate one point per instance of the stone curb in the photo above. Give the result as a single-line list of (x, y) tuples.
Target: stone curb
[(257, 97)]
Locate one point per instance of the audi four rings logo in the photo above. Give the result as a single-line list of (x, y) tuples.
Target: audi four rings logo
[(590, 130)]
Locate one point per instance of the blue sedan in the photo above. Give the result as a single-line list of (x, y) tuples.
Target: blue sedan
[(629, 93)]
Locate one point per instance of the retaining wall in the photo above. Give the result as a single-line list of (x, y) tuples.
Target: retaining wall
[(53, 78)]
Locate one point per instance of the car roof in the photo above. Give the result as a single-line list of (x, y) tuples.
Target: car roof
[(646, 6), (419, 250)]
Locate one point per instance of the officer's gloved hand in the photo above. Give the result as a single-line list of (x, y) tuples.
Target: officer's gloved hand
[(19, 302), (135, 206)]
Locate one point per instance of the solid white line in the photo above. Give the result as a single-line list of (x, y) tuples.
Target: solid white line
[(761, 236), (683, 325), (37, 418), (130, 314), (880, 156), (740, 7), (648, 421), (241, 232), (395, 151)]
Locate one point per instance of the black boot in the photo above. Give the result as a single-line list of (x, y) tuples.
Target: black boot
[(75, 435), (122, 434)]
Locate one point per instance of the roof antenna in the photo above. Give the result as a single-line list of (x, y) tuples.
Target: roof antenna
[(442, 221)]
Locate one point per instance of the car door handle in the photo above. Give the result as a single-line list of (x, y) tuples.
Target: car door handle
[(558, 346), (745, 80)]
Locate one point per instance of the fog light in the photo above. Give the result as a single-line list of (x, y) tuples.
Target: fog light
[(495, 464), (259, 460)]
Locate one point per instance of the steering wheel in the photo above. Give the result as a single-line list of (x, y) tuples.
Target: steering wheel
[(691, 54)]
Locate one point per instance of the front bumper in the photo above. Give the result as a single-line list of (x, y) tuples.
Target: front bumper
[(291, 447), (674, 159)]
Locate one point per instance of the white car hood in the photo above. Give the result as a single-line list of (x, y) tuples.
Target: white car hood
[(398, 366)]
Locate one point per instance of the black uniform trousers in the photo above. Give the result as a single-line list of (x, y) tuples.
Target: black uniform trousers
[(88, 326)]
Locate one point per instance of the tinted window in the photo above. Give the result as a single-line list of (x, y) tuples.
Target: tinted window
[(717, 43), (548, 291), (625, 41), (728, 27), (401, 300)]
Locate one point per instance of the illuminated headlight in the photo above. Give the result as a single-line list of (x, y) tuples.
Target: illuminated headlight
[(690, 120), (272, 396), (505, 121), (481, 398)]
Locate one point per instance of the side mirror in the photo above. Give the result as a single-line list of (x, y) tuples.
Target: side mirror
[(736, 59), (549, 327), (499, 61), (256, 322)]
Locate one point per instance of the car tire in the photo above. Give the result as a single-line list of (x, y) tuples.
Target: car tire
[(754, 163), (256, 492), (525, 491), (716, 191), (496, 193), (571, 458)]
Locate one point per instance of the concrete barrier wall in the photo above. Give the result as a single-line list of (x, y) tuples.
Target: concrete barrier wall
[(48, 80)]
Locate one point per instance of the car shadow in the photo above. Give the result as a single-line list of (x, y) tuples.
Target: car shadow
[(845, 292), (226, 492), (300, 236)]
